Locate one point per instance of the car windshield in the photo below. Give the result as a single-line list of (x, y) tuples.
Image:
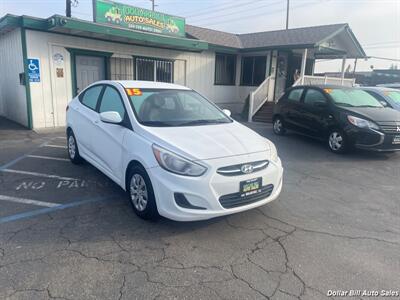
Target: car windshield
[(394, 95), (166, 107), (352, 97)]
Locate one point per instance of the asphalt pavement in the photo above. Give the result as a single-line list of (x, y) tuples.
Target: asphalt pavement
[(68, 232)]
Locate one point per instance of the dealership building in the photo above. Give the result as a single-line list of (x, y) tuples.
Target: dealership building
[(46, 62)]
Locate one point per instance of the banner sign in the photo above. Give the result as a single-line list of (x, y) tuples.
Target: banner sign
[(137, 18)]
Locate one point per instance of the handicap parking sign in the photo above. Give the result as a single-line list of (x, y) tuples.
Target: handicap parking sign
[(33, 70)]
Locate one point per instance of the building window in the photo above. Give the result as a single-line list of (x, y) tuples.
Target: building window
[(253, 70), (121, 68), (150, 69), (225, 69)]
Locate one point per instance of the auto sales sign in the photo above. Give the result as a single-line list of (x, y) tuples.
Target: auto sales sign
[(137, 18)]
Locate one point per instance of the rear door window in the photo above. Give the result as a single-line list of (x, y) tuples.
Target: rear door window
[(295, 95), (91, 96)]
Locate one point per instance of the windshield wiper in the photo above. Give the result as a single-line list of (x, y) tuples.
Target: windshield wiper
[(156, 123), (198, 122), (344, 104), (369, 106)]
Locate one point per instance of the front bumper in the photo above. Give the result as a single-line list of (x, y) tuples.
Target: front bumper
[(374, 140), (205, 191)]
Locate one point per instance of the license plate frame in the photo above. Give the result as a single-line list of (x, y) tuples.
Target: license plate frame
[(396, 140), (250, 186)]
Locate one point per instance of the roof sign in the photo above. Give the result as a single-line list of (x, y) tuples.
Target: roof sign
[(137, 18)]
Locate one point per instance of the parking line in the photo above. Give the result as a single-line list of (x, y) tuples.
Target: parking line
[(27, 201), (14, 161), (37, 174), (52, 209), (55, 146), (48, 157)]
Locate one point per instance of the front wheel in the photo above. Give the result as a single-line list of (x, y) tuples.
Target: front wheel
[(337, 141), (278, 126), (141, 194), (73, 151)]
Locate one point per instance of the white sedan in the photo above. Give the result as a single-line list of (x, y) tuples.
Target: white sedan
[(174, 152)]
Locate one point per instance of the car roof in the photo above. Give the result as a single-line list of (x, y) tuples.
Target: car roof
[(150, 85), (323, 86), (378, 88)]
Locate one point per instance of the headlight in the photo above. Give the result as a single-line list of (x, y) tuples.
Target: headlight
[(274, 153), (361, 123), (177, 164)]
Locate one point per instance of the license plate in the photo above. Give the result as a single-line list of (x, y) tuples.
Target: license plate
[(396, 140), (251, 186)]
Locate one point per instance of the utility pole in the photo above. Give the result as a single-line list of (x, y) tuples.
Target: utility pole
[(94, 10), (68, 8), (287, 15), (152, 5)]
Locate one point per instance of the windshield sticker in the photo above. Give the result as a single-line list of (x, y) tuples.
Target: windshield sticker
[(134, 92)]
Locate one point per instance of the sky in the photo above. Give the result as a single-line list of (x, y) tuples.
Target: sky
[(376, 23)]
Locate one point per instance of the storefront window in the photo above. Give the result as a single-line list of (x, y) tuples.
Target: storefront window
[(225, 69), (253, 70), (149, 69)]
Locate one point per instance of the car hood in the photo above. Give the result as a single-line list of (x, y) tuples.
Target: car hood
[(208, 141), (383, 114)]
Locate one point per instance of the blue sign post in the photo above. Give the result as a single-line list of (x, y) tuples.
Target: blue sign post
[(33, 70)]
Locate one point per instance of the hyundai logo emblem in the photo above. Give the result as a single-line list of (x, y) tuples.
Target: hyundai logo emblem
[(247, 169)]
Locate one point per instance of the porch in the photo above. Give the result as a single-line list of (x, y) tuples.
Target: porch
[(295, 65)]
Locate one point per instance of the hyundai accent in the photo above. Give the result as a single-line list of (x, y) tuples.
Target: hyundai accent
[(174, 152)]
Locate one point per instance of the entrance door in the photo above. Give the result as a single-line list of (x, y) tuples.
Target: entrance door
[(89, 69), (281, 74)]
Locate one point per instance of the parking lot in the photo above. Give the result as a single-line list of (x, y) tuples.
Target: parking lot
[(68, 232)]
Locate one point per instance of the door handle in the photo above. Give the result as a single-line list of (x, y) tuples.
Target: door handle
[(96, 122)]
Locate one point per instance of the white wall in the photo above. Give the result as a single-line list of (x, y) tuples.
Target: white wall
[(12, 94), (56, 92)]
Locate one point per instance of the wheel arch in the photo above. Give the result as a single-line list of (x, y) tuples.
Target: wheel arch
[(130, 165)]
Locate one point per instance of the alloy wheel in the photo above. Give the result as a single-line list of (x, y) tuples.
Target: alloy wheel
[(138, 192), (335, 141), (71, 146), (278, 126)]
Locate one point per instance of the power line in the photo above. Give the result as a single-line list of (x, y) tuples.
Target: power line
[(222, 9), (237, 12), (262, 14)]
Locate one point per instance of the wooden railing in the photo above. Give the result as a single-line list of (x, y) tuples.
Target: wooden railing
[(258, 98), (311, 80)]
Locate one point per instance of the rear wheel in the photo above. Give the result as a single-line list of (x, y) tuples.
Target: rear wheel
[(141, 194), (73, 151), (337, 141), (278, 126)]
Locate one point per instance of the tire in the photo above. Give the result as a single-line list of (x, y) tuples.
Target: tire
[(337, 141), (279, 126), (73, 151), (141, 194)]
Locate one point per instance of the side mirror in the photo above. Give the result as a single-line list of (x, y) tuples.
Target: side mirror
[(227, 112), (384, 103), (111, 117)]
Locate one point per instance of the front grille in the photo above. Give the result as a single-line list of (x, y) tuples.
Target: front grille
[(236, 170), (236, 199), (390, 127)]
